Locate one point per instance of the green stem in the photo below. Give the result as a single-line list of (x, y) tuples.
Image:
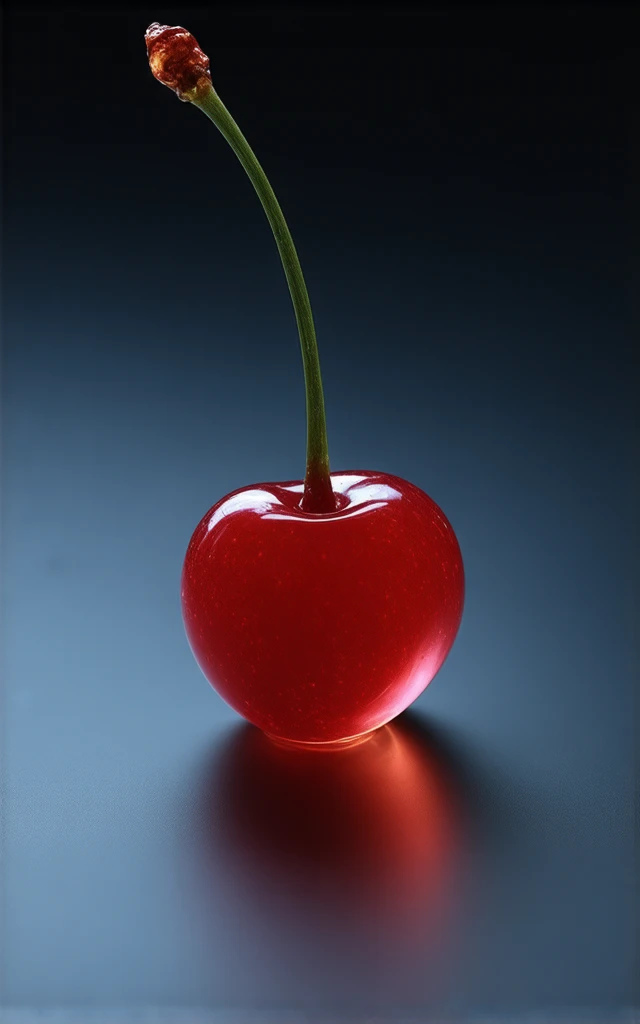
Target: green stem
[(318, 494)]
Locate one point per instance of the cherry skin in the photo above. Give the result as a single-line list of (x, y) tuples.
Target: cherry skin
[(318, 610), (319, 628)]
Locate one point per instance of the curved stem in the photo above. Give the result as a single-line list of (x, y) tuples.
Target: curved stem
[(318, 494)]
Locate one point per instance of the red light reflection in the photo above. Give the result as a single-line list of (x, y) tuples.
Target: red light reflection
[(355, 854)]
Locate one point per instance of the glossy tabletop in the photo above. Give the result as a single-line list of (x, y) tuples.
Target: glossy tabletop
[(161, 859)]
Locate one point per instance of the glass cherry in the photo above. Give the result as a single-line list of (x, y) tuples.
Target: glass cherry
[(318, 609)]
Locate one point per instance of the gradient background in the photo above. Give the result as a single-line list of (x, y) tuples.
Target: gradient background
[(458, 185)]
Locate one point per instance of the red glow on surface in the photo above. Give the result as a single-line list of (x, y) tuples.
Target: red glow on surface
[(361, 849)]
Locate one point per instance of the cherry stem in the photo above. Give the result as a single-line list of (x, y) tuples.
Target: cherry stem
[(318, 496)]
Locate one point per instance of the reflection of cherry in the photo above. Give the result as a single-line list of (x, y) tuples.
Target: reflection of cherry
[(319, 610), (367, 839)]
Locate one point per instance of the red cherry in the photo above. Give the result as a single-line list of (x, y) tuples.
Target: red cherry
[(319, 610), (322, 627)]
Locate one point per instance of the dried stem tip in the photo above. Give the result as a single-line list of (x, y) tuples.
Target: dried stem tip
[(177, 61)]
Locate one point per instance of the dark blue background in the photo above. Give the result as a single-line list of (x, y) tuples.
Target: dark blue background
[(458, 185)]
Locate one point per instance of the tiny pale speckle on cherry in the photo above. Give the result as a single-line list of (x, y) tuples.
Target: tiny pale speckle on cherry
[(318, 609)]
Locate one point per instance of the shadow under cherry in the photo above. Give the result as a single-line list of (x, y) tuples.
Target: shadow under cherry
[(347, 867)]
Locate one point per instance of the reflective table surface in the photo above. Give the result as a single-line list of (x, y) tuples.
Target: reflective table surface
[(161, 860)]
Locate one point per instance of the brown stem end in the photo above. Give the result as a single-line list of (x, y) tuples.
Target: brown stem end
[(318, 496), (177, 61)]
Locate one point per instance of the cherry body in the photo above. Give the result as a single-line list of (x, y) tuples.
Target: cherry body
[(320, 628)]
